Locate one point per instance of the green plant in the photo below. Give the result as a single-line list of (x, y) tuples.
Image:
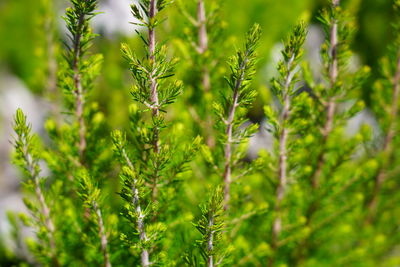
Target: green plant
[(318, 197)]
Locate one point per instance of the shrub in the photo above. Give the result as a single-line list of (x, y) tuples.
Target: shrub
[(129, 196)]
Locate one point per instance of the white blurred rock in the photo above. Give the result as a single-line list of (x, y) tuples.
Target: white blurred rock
[(115, 17), (262, 139)]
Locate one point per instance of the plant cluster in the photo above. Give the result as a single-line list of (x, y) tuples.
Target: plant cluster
[(128, 197)]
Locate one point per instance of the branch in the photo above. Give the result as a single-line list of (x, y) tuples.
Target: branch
[(387, 147), (202, 25), (205, 72), (130, 191), (48, 222), (102, 235), (229, 130), (282, 170), (328, 126), (285, 90), (242, 71), (331, 104), (153, 86), (144, 256), (25, 158), (210, 245), (79, 101)]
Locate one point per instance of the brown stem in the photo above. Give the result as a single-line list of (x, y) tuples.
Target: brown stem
[(326, 131), (144, 256), (48, 222), (387, 146), (282, 170), (152, 34), (229, 132), (205, 73), (210, 244), (327, 128), (102, 235), (79, 101), (153, 86), (331, 105), (201, 20)]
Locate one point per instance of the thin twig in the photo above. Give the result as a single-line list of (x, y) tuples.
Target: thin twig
[(79, 101), (144, 256), (331, 105), (205, 72), (153, 87), (201, 19), (48, 222), (210, 245), (229, 132), (282, 170), (387, 146), (102, 235), (328, 126)]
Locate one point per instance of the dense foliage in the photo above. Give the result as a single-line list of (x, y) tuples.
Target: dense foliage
[(175, 186)]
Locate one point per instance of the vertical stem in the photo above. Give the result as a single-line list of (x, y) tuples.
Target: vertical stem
[(326, 131), (144, 256), (210, 244), (153, 82), (152, 34), (201, 20), (228, 152), (327, 128), (153, 85), (48, 222), (102, 235), (141, 226), (387, 146), (79, 101), (229, 132), (205, 75), (282, 170), (331, 105)]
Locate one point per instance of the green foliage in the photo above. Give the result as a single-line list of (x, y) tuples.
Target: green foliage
[(232, 108), (317, 197), (78, 76), (27, 158), (211, 227)]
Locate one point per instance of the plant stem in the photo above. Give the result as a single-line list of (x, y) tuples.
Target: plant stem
[(203, 42), (144, 256), (48, 222), (205, 75), (201, 20), (210, 245), (153, 86), (102, 235), (327, 128), (331, 105), (229, 132), (282, 170), (387, 146), (79, 101)]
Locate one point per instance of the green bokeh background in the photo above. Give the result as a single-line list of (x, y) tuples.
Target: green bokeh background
[(23, 32)]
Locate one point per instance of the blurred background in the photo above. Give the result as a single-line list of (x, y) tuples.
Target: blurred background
[(31, 34)]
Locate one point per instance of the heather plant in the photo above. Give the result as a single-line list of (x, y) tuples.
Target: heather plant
[(152, 168), (168, 181), (202, 45)]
